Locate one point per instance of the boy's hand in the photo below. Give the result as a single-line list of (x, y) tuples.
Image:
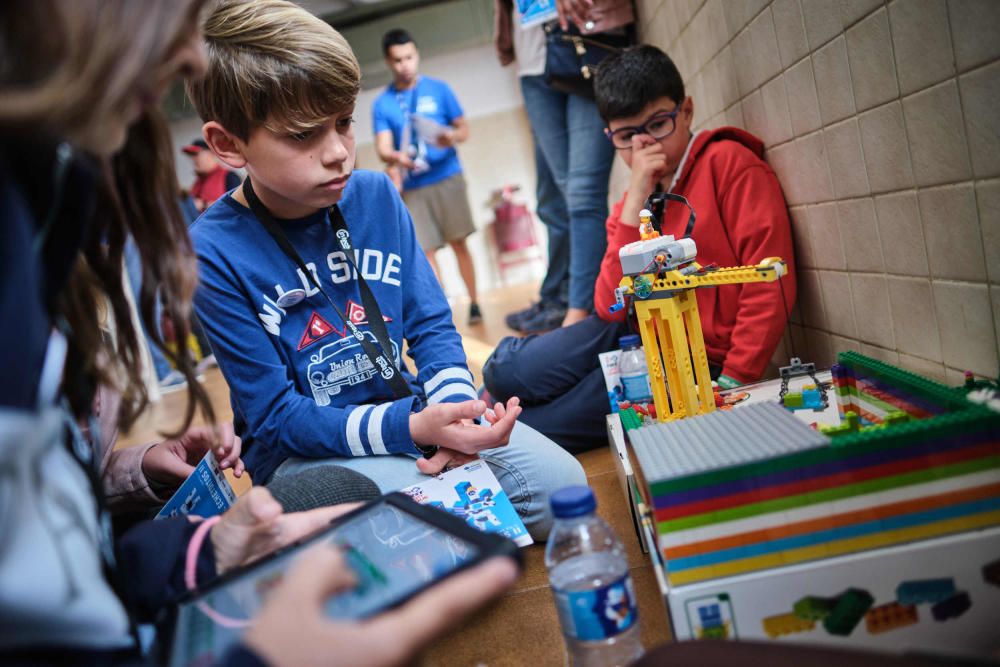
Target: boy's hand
[(448, 425), (649, 166), (446, 139), (403, 160), (444, 459), (171, 462)]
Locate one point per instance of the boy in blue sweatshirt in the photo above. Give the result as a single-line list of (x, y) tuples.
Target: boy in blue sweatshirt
[(306, 238)]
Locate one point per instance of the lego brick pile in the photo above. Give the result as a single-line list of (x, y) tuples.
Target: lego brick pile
[(754, 488)]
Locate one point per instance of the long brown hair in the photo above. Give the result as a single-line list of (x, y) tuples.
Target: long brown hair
[(64, 66)]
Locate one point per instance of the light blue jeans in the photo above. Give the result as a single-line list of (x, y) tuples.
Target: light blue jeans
[(529, 469), (570, 134)]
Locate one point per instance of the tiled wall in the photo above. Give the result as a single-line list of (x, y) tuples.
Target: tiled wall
[(882, 120)]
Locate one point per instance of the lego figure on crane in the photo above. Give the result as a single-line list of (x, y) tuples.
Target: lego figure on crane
[(660, 275)]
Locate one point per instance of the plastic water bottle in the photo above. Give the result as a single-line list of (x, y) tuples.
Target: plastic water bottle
[(633, 371), (589, 574)]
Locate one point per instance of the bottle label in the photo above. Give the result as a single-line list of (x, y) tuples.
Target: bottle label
[(636, 387), (600, 613)]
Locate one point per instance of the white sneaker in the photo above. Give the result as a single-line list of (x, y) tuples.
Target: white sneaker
[(174, 381), (206, 363)]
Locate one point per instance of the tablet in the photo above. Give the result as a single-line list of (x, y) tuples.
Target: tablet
[(395, 546)]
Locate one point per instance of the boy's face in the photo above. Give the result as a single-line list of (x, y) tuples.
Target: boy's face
[(672, 146), (295, 175), (403, 60), (204, 162)]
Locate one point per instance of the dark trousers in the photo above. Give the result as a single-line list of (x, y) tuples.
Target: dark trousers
[(558, 378)]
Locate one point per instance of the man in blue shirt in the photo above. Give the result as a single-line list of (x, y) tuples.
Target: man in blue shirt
[(418, 121)]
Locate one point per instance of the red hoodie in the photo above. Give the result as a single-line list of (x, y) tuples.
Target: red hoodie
[(741, 219)]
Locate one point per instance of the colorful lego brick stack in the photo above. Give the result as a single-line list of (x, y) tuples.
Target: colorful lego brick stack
[(754, 488)]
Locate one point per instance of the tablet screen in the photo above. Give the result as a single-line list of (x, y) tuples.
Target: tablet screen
[(392, 553)]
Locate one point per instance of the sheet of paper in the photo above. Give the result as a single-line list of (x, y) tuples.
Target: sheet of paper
[(428, 129), (534, 12)]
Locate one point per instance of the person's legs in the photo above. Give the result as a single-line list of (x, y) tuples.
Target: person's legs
[(539, 369), (590, 156), (528, 469), (465, 266), (551, 209)]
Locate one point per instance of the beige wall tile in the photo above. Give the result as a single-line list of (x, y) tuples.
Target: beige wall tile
[(833, 81), (929, 369), (901, 234), (778, 121), (852, 11), (824, 228), (951, 228), (840, 344), (913, 319), (801, 237), (995, 299), (988, 202), (803, 170), (838, 303), (887, 153), (734, 115), (790, 30), (716, 36), (725, 73), (871, 309), (823, 21), (737, 15), (880, 353), (803, 105), (767, 61), (847, 165), (810, 299), (968, 340), (753, 114), (859, 231), (819, 348), (981, 106), (743, 58), (711, 89), (936, 132), (701, 47), (869, 51), (921, 44), (975, 25), (954, 377)]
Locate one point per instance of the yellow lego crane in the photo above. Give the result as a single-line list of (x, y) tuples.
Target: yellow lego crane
[(660, 276)]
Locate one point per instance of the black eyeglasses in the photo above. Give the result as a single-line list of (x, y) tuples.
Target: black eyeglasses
[(658, 126)]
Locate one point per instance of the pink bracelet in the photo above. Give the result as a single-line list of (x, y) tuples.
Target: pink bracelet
[(194, 548), (190, 578)]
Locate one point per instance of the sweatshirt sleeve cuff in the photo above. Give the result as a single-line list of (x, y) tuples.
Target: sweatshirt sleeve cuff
[(395, 427), (124, 481)]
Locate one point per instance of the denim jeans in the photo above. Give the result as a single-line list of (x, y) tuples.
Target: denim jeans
[(529, 469), (551, 209), (569, 133)]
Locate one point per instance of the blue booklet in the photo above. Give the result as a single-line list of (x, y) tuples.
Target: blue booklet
[(206, 492), (472, 492)]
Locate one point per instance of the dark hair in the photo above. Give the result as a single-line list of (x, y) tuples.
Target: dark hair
[(395, 37), (628, 81)]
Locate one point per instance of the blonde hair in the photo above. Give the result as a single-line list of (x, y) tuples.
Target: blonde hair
[(272, 64), (67, 64)]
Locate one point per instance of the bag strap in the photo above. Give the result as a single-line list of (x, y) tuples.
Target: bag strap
[(377, 354)]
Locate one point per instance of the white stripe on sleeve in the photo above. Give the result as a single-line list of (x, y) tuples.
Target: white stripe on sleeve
[(453, 389), (444, 376), (375, 429), (354, 429)]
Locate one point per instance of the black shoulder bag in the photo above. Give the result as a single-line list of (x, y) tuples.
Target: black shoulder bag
[(571, 59)]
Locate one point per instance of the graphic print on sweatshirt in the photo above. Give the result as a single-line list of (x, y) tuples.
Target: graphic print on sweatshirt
[(342, 363)]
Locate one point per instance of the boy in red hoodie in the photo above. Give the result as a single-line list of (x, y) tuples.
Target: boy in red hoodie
[(741, 219)]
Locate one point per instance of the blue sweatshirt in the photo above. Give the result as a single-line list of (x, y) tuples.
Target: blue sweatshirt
[(300, 386)]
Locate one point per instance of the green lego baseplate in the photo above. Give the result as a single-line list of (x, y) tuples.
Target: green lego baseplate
[(630, 419), (952, 398)]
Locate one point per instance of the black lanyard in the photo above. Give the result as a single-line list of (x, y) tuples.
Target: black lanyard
[(378, 355)]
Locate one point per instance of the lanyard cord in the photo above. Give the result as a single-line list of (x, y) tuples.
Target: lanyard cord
[(377, 354)]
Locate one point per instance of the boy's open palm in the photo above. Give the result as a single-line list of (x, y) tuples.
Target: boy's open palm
[(450, 425)]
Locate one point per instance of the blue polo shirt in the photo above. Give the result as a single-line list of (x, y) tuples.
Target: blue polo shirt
[(431, 99)]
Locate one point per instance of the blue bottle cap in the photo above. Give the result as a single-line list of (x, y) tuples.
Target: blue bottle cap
[(572, 501), (631, 340)]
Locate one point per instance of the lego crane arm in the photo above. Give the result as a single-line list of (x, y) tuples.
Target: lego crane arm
[(768, 270)]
